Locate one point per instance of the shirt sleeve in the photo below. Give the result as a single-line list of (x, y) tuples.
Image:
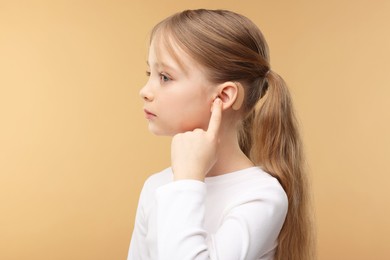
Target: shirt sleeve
[(249, 228), (138, 250)]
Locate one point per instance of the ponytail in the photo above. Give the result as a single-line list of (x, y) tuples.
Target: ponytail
[(273, 141)]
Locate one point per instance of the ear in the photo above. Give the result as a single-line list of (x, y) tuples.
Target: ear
[(231, 94)]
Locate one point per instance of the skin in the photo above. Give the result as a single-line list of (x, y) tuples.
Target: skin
[(174, 95), (178, 102)]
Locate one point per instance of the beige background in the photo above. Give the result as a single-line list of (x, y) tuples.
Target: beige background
[(74, 146)]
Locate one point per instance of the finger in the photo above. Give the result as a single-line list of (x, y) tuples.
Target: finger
[(216, 117)]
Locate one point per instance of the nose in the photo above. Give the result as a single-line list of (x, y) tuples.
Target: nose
[(146, 93)]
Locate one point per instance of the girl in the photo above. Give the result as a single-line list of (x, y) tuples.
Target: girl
[(236, 188)]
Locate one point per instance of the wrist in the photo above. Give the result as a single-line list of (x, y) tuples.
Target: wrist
[(177, 175)]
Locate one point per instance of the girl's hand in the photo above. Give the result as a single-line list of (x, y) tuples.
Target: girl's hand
[(194, 153)]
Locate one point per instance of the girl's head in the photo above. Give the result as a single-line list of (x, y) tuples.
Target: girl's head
[(227, 46)]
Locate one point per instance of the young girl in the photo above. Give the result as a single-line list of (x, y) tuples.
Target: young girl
[(236, 188)]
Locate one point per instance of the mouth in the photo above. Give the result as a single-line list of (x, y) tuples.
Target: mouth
[(148, 114)]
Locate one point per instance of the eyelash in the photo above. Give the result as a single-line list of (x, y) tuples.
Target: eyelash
[(163, 77)]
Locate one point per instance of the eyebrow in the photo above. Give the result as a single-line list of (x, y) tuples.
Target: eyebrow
[(163, 64)]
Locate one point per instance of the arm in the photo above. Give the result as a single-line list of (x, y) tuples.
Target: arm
[(138, 250)]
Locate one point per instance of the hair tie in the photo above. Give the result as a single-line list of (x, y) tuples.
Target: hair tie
[(267, 73)]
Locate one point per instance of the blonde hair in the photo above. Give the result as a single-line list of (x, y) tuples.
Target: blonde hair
[(231, 48)]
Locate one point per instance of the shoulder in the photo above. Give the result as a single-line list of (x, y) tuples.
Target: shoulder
[(265, 187), (264, 182), (249, 180), (260, 196), (252, 185)]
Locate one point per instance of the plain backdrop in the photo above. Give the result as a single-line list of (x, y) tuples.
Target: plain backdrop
[(74, 144)]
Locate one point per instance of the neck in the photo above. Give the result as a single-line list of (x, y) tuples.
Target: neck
[(230, 158)]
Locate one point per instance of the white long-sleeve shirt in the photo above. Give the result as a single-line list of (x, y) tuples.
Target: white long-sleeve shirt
[(232, 216)]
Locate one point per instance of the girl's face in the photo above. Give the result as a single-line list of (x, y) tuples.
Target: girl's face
[(176, 99)]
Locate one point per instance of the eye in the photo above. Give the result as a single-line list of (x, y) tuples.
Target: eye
[(164, 77), (148, 73)]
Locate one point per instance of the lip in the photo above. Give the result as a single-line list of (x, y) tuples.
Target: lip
[(148, 114)]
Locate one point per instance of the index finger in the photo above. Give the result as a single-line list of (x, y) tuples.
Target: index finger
[(216, 117)]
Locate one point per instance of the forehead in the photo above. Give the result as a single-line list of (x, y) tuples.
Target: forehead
[(167, 51)]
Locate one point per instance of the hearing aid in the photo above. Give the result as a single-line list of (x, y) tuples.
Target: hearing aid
[(239, 98)]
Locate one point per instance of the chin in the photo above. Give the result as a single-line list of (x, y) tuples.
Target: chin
[(171, 131), (161, 132)]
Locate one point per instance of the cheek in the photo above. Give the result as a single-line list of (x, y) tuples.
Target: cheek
[(187, 110), (193, 115)]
